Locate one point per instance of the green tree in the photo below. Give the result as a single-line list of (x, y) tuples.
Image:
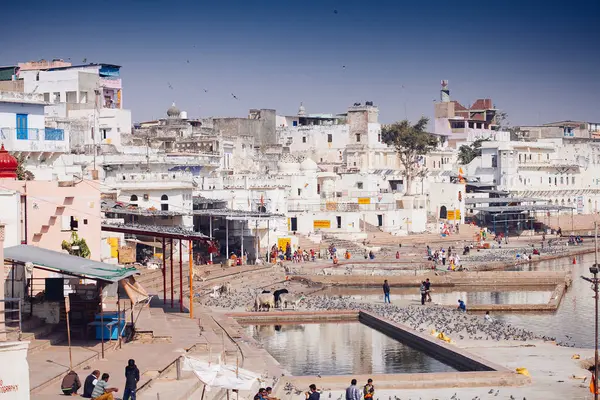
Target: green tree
[(467, 153), (77, 246), (410, 141), (22, 173)]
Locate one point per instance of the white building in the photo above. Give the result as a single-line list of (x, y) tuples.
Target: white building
[(24, 131), (89, 96)]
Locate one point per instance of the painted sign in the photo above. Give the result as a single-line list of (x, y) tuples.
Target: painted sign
[(283, 242), (579, 204), (322, 224), (364, 200), (450, 215), (457, 215)]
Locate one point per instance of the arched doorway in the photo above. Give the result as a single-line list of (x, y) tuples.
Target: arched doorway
[(443, 212)]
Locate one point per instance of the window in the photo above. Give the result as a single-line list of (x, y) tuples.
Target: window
[(56, 97), (359, 185), (562, 180), (295, 123), (358, 137), (329, 138), (103, 134), (379, 137), (303, 139), (318, 188), (548, 156), (494, 161), (321, 159), (47, 97), (133, 198), (37, 76), (550, 180), (299, 192), (22, 125), (164, 197), (164, 207), (572, 180)]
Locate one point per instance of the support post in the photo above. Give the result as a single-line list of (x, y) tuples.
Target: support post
[(210, 232), (119, 318), (242, 252), (178, 368), (180, 276), (171, 251), (596, 313), (257, 242), (226, 239), (67, 312), (191, 277), (164, 271), (268, 241), (102, 317)]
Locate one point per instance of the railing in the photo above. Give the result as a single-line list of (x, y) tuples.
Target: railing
[(341, 207), (28, 133), (12, 306), (54, 134)]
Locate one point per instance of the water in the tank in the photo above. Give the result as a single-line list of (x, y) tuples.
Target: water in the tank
[(340, 349)]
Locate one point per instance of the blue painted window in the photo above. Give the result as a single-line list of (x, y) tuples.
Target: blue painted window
[(22, 131), (54, 134)]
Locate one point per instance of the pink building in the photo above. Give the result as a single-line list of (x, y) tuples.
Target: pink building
[(51, 211)]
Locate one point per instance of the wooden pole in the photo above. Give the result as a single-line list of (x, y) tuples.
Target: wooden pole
[(171, 251), (102, 317), (191, 275), (67, 311), (164, 270), (180, 275), (119, 319)]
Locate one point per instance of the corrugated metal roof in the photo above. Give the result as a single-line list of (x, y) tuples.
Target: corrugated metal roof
[(483, 200), (518, 209), (67, 264)]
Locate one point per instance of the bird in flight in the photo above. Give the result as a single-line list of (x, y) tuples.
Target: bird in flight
[(234, 96), (188, 61), (170, 87), (84, 60), (205, 90), (335, 11)]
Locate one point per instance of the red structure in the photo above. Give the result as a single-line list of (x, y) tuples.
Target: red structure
[(8, 165)]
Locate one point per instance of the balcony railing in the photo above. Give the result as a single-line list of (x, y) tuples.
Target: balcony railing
[(28, 133), (54, 134)]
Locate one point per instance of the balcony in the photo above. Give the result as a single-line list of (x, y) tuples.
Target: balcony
[(34, 139)]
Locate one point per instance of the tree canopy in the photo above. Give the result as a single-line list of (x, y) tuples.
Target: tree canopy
[(22, 173), (467, 153), (410, 141)]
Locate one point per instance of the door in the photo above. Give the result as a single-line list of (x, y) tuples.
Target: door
[(22, 127), (294, 224), (339, 222), (379, 220), (443, 212)]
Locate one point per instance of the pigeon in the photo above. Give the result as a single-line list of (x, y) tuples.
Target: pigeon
[(234, 96)]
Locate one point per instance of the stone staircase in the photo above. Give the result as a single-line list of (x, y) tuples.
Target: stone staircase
[(368, 227), (39, 334)]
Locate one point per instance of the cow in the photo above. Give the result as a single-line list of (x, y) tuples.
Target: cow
[(264, 300), (278, 293), (289, 299)]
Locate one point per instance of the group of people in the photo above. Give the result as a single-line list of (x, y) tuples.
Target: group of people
[(96, 387), (352, 392), (300, 255), (265, 394), (444, 256)]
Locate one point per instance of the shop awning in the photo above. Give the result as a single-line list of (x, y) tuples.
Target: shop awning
[(67, 264)]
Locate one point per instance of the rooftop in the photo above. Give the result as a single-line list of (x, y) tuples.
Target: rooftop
[(169, 232), (522, 208), (55, 261), (504, 200)]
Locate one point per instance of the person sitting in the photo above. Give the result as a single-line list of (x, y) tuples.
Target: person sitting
[(488, 317), (102, 391), (90, 382), (70, 384)]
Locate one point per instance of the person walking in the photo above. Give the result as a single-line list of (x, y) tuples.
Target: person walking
[(369, 390), (423, 291), (352, 392), (386, 292), (132, 377), (428, 290)]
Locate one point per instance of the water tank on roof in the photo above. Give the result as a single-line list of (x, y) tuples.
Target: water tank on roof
[(183, 115)]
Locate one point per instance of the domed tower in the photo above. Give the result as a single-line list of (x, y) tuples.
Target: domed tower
[(301, 110), (8, 165), (173, 112)]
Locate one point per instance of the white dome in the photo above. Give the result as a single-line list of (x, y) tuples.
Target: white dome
[(308, 165)]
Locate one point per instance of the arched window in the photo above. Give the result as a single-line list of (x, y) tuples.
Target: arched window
[(133, 198), (164, 197), (164, 206), (443, 212), (262, 209)]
